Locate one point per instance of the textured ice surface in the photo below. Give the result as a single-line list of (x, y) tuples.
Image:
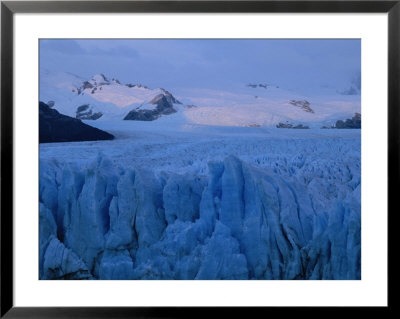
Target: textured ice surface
[(262, 204)]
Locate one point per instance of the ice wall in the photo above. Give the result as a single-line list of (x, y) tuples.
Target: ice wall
[(239, 222)]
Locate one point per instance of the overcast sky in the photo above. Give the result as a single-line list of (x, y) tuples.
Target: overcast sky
[(294, 64)]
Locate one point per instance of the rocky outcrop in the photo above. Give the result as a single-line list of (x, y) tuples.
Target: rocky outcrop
[(153, 102), (162, 107), (353, 123), (56, 127), (289, 125), (84, 112), (265, 86), (170, 98), (130, 85), (304, 105)]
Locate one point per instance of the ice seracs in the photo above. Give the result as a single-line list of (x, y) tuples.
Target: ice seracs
[(237, 222)]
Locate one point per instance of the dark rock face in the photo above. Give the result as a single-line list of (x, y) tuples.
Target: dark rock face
[(170, 98), (130, 85), (265, 86), (84, 113), (87, 85), (354, 122), (82, 108), (164, 107), (160, 100), (289, 125), (142, 115), (56, 127), (304, 105)]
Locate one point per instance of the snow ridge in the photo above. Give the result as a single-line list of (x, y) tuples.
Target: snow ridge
[(98, 97), (238, 222)]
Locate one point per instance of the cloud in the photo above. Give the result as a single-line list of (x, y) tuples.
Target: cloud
[(209, 63), (117, 51), (64, 46)]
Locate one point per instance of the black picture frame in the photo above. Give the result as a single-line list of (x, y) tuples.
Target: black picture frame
[(9, 8)]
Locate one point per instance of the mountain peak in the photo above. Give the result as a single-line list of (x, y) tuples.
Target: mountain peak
[(99, 78), (157, 98)]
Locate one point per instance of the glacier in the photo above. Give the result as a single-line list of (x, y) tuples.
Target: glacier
[(293, 216)]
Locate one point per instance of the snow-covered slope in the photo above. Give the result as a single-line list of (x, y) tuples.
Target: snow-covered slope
[(246, 105), (267, 106), (98, 97)]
